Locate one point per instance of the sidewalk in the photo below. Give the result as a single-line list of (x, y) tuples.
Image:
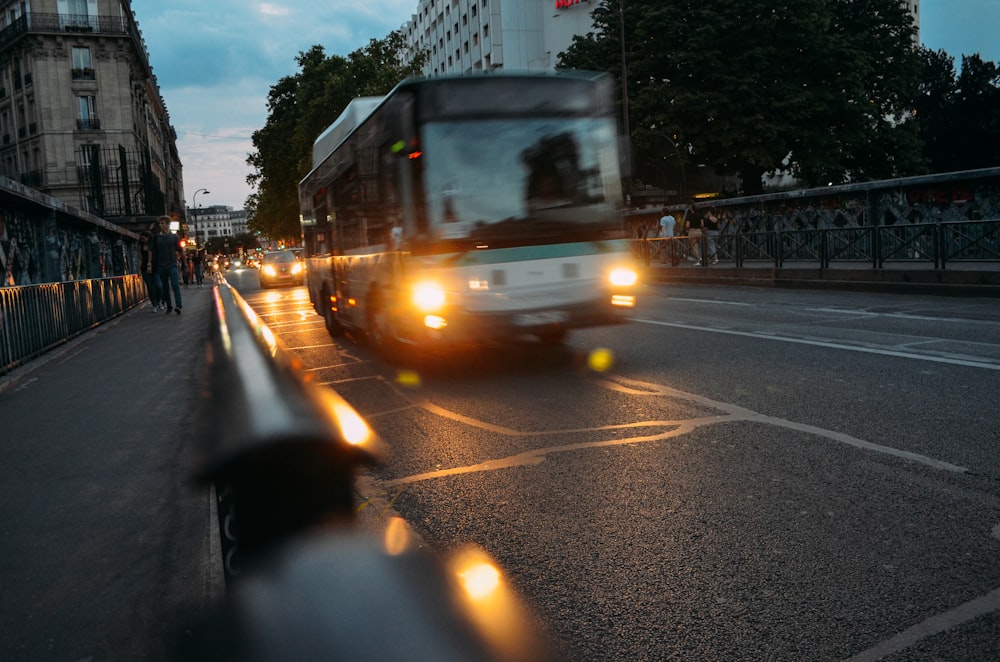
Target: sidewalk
[(106, 541)]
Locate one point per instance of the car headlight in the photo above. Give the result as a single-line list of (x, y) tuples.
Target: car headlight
[(296, 269), (428, 297), (268, 270), (623, 277)]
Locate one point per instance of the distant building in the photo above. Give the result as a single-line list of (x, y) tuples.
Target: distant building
[(216, 222), (466, 36), (81, 116), (463, 36)]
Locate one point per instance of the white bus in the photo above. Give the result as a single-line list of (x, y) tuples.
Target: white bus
[(469, 209)]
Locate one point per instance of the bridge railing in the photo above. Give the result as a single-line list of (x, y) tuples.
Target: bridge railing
[(36, 318), (928, 245)]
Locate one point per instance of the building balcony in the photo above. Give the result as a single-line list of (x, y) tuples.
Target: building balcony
[(35, 22), (84, 74), (90, 124)]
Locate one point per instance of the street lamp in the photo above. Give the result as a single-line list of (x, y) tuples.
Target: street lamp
[(680, 159), (627, 148), (194, 205)]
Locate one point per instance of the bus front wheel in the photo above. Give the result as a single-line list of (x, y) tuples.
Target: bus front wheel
[(381, 332)]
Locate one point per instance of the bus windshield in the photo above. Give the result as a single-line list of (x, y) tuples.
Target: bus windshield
[(515, 178)]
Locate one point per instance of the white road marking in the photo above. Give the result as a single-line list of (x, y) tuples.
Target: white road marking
[(934, 625), (830, 345), (675, 428)]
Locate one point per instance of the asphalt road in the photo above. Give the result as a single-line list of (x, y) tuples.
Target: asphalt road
[(758, 474)]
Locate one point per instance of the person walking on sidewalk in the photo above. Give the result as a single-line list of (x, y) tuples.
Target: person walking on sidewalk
[(198, 260), (669, 250), (166, 251), (695, 225), (146, 269)]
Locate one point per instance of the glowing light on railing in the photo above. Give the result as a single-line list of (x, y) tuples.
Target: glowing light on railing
[(220, 314), (480, 579), (353, 428), (397, 537)]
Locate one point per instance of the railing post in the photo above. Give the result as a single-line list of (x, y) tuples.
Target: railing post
[(824, 253), (938, 244)]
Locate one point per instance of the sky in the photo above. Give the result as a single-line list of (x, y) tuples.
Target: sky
[(216, 60)]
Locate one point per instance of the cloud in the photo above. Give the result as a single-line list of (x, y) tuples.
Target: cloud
[(267, 9), (216, 60)]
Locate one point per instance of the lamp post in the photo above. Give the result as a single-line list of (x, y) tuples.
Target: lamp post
[(680, 160), (194, 206), (627, 148)]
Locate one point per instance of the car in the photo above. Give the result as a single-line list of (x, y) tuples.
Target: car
[(281, 268)]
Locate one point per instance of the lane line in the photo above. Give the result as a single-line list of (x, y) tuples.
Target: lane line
[(732, 413), (829, 345), (936, 624)]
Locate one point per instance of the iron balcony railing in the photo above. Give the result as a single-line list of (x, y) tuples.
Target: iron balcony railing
[(71, 23)]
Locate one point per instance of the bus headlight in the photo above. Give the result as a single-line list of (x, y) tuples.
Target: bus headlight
[(428, 297), (623, 277)]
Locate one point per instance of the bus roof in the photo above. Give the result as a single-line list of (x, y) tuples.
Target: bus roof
[(353, 115), (360, 109)]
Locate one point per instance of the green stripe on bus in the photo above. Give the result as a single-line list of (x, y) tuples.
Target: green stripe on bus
[(541, 252)]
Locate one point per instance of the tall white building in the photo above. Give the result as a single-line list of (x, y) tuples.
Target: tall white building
[(464, 36), (914, 9)]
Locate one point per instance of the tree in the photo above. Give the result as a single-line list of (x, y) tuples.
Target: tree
[(744, 84), (958, 115), (300, 107)]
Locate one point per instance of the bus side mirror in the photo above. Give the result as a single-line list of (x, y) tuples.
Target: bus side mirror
[(403, 138)]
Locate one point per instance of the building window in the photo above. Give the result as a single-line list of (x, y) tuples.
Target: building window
[(87, 118), (83, 68), (81, 58)]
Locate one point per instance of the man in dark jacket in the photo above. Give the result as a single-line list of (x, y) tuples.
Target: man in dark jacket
[(166, 249)]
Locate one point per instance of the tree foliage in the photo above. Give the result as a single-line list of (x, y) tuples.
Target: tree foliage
[(302, 106), (741, 85), (959, 115)]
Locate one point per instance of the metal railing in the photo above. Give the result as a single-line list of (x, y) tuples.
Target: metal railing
[(933, 245), (302, 582), (37, 318)]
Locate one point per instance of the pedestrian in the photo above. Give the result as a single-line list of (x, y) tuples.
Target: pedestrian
[(166, 251), (146, 269), (667, 224), (695, 226), (198, 265), (712, 237)]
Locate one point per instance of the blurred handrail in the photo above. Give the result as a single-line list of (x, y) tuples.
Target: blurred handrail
[(280, 450)]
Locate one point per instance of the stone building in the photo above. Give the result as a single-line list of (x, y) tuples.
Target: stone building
[(81, 115)]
